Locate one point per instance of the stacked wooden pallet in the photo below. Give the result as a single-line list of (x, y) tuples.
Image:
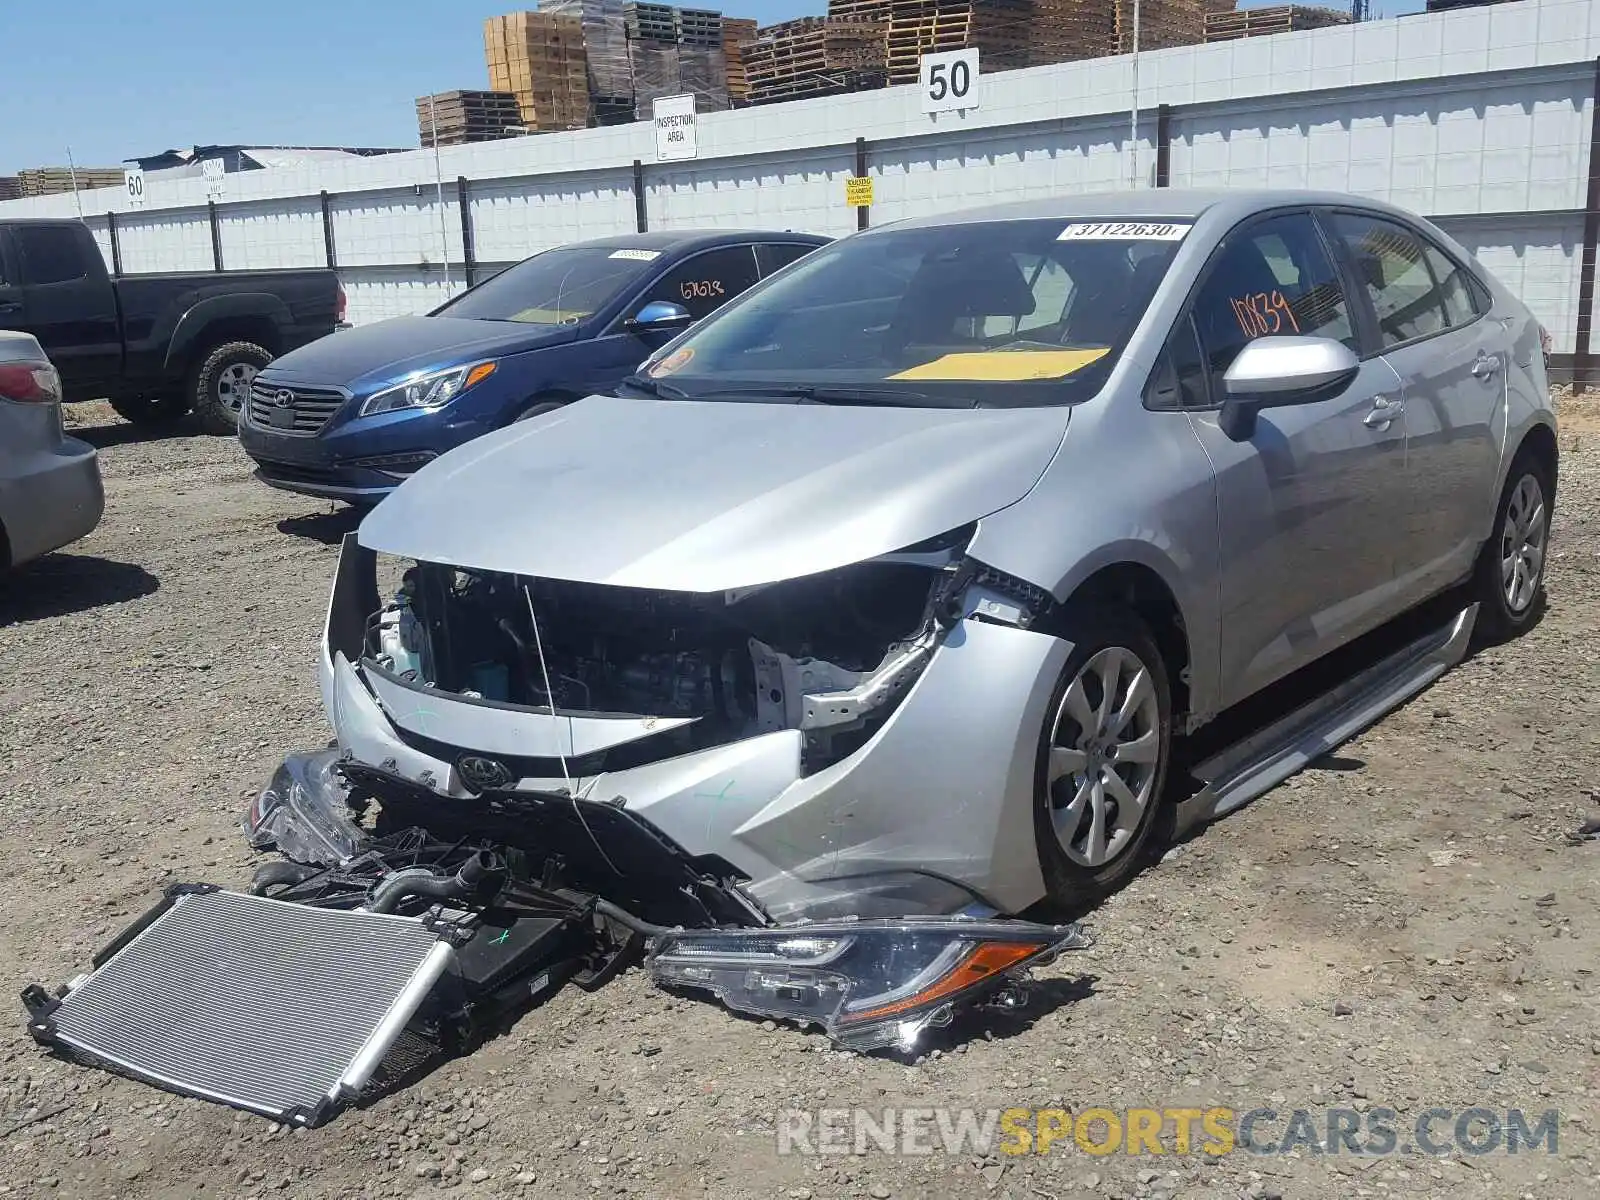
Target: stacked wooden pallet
[(10, 187), (650, 23), (814, 56), (1000, 29), (1263, 22), (1069, 30), (698, 27), (605, 45), (539, 58), (460, 117), (738, 34), (47, 181), (1162, 23)]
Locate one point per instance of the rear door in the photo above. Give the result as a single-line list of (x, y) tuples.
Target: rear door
[(774, 256), (68, 304), (1429, 317), (1305, 503)]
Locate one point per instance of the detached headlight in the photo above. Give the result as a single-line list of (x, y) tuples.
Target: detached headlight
[(303, 812), (433, 390), (869, 984)]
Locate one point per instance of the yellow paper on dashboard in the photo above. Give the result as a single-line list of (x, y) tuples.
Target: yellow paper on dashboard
[(1004, 366)]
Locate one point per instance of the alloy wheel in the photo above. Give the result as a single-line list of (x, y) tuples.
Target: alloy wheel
[(233, 386), (1522, 543), (1104, 754)]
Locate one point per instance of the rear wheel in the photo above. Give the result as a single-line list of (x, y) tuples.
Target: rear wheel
[(1509, 580), (219, 387), (1103, 757)]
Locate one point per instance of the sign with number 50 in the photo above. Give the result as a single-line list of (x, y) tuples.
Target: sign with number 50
[(950, 80)]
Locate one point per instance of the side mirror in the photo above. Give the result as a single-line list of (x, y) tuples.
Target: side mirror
[(659, 314), (1275, 372)]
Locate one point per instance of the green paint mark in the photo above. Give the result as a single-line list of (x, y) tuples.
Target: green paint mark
[(505, 936)]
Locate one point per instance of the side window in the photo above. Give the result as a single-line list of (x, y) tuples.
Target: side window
[(50, 253), (706, 282), (1460, 307), (1051, 286), (1272, 278), (1179, 380), (774, 256), (1389, 263)]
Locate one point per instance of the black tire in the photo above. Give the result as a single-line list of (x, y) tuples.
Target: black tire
[(216, 377), (1094, 629), (153, 411), (539, 407), (1499, 617)]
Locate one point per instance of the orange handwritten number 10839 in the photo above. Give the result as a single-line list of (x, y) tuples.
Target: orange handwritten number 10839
[(1264, 313)]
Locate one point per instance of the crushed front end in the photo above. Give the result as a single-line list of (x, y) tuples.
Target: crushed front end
[(811, 799)]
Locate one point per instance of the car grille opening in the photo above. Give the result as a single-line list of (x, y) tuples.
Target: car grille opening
[(296, 410)]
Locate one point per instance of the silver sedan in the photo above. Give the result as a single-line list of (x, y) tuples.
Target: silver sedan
[(893, 585), (50, 491)]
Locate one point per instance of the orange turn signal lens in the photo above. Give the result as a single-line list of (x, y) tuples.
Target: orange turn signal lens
[(478, 373), (982, 962)]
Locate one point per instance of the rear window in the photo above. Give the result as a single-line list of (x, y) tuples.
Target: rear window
[(50, 253), (1020, 307), (558, 287)]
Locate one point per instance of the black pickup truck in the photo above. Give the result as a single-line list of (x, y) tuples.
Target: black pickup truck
[(156, 346)]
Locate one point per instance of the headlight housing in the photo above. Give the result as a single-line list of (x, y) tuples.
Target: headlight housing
[(869, 984), (430, 391)]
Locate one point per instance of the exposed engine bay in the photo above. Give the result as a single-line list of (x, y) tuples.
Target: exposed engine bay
[(827, 654)]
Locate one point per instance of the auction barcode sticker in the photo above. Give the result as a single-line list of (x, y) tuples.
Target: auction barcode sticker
[(637, 255), (1124, 231)]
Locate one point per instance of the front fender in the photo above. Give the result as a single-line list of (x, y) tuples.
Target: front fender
[(206, 312)]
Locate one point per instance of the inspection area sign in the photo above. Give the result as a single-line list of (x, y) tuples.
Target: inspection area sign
[(675, 137)]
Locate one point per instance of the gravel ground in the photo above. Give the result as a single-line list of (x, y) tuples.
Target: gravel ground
[(1405, 927)]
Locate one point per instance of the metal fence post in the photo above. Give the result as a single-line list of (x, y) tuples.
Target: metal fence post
[(469, 258), (640, 217), (863, 218), (327, 229), (116, 250), (216, 235)]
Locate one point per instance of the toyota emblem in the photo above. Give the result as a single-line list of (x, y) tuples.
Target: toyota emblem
[(482, 774), (283, 398)]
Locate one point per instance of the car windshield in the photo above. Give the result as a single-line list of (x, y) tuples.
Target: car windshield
[(1001, 313), (558, 287)]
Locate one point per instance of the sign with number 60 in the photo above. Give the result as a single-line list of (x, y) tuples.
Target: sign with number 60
[(133, 180), (949, 81)]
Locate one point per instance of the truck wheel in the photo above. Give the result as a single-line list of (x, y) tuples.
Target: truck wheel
[(152, 411), (219, 388)]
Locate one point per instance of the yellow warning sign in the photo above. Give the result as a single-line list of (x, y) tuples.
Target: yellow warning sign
[(858, 191)]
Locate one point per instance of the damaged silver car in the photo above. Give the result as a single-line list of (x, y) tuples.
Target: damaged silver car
[(872, 612)]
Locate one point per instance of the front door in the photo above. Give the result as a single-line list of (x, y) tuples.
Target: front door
[(1305, 503)]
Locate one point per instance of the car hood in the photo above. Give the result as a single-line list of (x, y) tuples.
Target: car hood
[(708, 496), (386, 351)]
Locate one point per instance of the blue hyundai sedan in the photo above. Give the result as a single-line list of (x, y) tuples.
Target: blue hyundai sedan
[(348, 417)]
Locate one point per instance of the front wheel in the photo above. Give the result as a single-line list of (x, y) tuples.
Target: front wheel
[(1509, 579), (1101, 775), (220, 386)]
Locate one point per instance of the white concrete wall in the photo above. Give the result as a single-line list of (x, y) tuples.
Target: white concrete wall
[(1479, 118)]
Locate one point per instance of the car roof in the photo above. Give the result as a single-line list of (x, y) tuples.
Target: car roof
[(697, 239), (1140, 203)]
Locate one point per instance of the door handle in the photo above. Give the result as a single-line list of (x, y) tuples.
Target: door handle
[(1485, 366), (7, 306), (1384, 411)]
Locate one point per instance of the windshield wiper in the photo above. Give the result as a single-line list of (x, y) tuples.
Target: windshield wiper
[(819, 393), (654, 387)]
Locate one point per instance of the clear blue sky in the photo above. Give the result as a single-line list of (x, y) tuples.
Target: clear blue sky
[(113, 79)]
